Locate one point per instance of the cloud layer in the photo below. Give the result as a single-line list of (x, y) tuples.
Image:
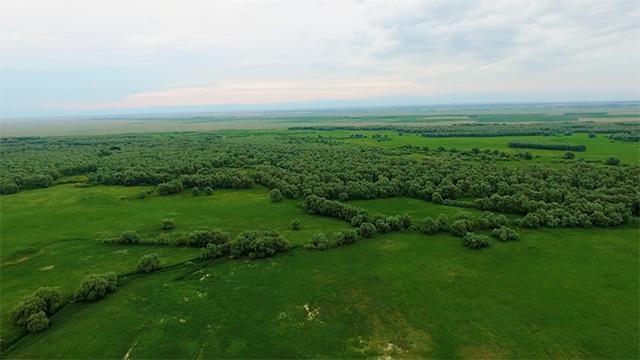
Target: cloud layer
[(60, 56)]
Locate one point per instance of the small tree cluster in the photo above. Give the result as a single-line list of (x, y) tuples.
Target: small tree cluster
[(489, 220), (129, 237), (96, 286), (505, 233), (321, 242), (258, 244), (33, 312), (476, 241), (201, 238), (429, 225), (172, 187), (149, 263)]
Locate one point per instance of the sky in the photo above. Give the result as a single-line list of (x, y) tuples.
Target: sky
[(111, 56)]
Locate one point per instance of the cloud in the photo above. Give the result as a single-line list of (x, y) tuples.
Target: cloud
[(190, 51)]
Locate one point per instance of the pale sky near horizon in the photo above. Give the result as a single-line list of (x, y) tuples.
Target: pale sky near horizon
[(80, 56)]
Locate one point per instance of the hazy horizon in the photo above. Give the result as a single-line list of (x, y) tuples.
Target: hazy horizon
[(62, 58)]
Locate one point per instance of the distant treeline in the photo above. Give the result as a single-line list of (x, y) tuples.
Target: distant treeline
[(492, 129), (565, 147)]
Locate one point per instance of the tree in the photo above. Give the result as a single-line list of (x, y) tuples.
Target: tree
[(149, 263), (428, 226), (275, 195), (33, 312), (460, 227), (295, 224), (168, 224)]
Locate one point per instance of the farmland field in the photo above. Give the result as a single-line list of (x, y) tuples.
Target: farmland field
[(323, 239)]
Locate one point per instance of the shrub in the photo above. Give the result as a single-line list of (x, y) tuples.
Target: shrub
[(569, 155), (428, 226), (437, 198), (208, 191), (129, 237), (320, 241), (504, 233), (168, 224), (94, 287), (258, 244), (52, 299), (201, 238), (613, 161), (142, 195), (37, 322), (592, 135), (476, 241), (275, 195), (382, 226), (212, 251), (195, 191), (172, 187), (346, 237), (443, 222), (149, 263), (295, 224), (367, 230), (460, 227)]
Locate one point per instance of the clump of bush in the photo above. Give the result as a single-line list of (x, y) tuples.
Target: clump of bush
[(172, 187), (295, 224), (208, 191), (149, 263), (429, 225), (33, 312), (476, 241), (275, 195), (613, 161), (258, 244), (168, 224), (129, 237), (367, 230), (320, 241), (505, 233), (95, 286), (212, 251), (201, 238), (489, 220)]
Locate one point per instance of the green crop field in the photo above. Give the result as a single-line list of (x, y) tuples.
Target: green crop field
[(283, 242)]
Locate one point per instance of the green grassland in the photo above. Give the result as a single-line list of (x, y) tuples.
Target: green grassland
[(598, 148), (554, 294)]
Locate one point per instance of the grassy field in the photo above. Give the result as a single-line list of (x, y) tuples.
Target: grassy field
[(598, 149), (398, 295), (55, 233), (556, 293)]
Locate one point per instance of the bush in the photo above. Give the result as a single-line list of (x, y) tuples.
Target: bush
[(208, 191), (149, 263), (443, 222), (504, 233), (613, 161), (460, 227), (258, 244), (428, 226), (275, 195), (367, 230), (195, 191), (172, 187), (295, 224), (168, 224), (346, 237), (32, 312), (200, 238), (142, 195), (320, 241), (129, 237), (476, 241), (592, 135), (569, 155), (94, 287), (212, 251), (37, 322)]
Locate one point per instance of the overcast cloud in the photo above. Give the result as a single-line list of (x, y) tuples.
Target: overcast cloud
[(80, 56)]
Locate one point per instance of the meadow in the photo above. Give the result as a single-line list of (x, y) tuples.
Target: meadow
[(568, 288)]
